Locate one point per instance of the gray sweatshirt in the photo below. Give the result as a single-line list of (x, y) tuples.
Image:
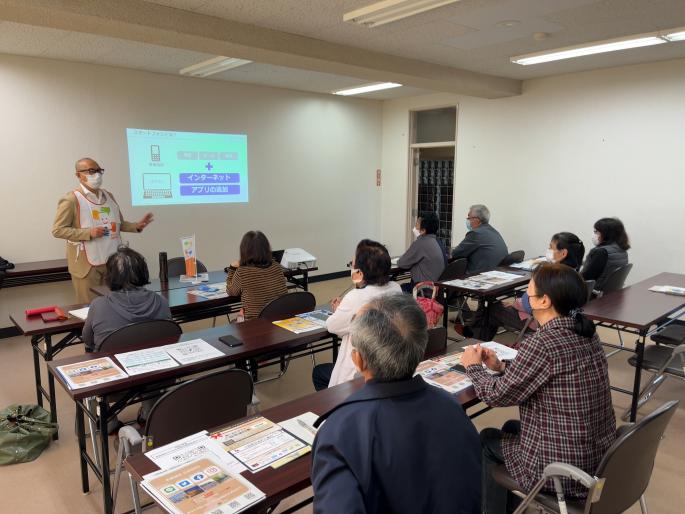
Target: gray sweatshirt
[(424, 258), (118, 309)]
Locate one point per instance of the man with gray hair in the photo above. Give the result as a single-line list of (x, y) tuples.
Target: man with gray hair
[(398, 445), (482, 246)]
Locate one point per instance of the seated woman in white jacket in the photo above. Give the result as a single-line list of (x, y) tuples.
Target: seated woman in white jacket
[(370, 273)]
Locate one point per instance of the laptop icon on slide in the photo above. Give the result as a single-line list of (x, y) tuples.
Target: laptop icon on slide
[(156, 185)]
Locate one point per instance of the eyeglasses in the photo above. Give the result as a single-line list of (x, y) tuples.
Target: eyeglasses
[(92, 171), (472, 217)]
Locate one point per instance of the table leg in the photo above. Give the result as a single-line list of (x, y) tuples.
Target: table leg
[(51, 385), (81, 436), (305, 279), (640, 352), (104, 455), (445, 311), (35, 341)]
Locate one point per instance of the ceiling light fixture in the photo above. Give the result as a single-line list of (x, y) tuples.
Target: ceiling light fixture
[(212, 66), (598, 47), (366, 89), (388, 11)]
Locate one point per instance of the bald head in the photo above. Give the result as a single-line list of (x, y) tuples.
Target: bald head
[(86, 163)]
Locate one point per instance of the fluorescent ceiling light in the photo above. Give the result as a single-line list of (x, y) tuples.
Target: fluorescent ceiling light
[(366, 89), (387, 11), (212, 66), (676, 36)]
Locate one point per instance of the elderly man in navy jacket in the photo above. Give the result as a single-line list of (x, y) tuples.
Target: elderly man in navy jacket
[(398, 445)]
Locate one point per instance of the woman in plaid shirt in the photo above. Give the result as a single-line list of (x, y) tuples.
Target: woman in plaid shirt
[(560, 382)]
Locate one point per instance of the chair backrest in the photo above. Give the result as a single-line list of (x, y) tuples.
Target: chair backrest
[(177, 267), (590, 284), (455, 269), (627, 465), (141, 332), (437, 342), (288, 305), (203, 403), (513, 258), (617, 278)]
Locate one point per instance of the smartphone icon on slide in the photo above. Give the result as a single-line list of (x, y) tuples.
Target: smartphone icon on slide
[(154, 152)]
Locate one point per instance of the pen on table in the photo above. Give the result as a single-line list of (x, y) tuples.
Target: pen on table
[(306, 426)]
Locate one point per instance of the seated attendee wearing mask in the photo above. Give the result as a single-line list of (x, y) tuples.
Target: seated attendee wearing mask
[(398, 445), (370, 275), (126, 275), (560, 382), (256, 277), (425, 257), (564, 248), (482, 246), (610, 251)]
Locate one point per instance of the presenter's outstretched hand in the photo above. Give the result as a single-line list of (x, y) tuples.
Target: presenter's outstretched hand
[(96, 232), (147, 219)]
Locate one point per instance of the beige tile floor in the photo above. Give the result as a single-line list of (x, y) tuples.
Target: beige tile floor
[(52, 482)]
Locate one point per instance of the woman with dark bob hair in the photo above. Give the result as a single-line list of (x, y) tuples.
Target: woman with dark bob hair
[(256, 277), (370, 274), (610, 251), (560, 382)]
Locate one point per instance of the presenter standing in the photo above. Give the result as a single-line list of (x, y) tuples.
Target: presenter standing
[(90, 220)]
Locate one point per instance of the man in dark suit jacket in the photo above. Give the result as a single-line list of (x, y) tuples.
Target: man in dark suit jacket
[(398, 445), (482, 245)]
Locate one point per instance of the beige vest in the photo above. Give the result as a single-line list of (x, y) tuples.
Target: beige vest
[(105, 214)]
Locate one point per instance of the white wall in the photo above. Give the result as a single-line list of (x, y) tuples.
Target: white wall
[(568, 151), (312, 160)]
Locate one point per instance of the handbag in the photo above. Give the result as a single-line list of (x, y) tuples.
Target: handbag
[(25, 431), (432, 308)]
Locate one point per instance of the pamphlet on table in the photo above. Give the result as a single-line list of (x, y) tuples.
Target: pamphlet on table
[(318, 316), (195, 350), (91, 372), (674, 290), (259, 443), (441, 375), (298, 325), (211, 291), (302, 426), (485, 280), (80, 313), (203, 485), (145, 361)]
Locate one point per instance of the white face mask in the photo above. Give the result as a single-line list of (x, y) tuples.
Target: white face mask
[(595, 239), (416, 232), (468, 224), (94, 181), (549, 255)]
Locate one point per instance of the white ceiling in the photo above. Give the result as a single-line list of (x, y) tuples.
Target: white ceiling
[(466, 34)]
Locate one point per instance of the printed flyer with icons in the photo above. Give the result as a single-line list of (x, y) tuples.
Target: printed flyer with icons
[(201, 486)]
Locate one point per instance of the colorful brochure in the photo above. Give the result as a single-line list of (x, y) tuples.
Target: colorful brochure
[(298, 325), (439, 374), (318, 316), (211, 291), (190, 448), (201, 486), (259, 443), (90, 373), (145, 361), (195, 350)]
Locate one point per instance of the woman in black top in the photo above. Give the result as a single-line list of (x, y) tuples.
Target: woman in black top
[(610, 251)]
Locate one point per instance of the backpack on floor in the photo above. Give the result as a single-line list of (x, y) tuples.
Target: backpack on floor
[(432, 308), (25, 431)]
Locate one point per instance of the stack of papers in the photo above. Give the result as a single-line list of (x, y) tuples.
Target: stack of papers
[(678, 291), (90, 373), (201, 485), (211, 291), (80, 313), (195, 350), (529, 264), (298, 325), (259, 443), (485, 280), (169, 356)]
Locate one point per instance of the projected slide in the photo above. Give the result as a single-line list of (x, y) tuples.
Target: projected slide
[(177, 168)]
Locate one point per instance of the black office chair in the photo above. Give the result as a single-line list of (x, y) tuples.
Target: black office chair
[(283, 307), (122, 338), (177, 266), (672, 334), (615, 280), (513, 258), (620, 480), (189, 408), (662, 361), (437, 342)]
